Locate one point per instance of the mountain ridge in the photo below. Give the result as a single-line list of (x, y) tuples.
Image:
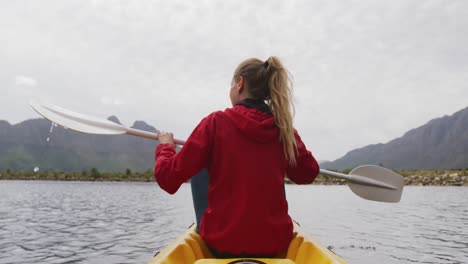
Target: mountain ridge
[(39, 143), (441, 143)]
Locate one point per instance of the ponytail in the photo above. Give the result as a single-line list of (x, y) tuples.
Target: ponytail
[(282, 106), (270, 81)]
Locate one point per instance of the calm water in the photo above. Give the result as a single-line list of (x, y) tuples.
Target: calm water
[(79, 222)]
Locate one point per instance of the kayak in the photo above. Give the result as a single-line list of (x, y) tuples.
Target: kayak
[(189, 248)]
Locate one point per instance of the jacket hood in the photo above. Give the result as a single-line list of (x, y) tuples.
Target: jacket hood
[(255, 124)]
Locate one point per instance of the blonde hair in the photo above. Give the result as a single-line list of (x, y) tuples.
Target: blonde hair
[(270, 81)]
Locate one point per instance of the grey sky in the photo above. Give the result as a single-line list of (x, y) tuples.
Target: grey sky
[(365, 72)]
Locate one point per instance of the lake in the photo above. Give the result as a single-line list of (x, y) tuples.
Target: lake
[(95, 222)]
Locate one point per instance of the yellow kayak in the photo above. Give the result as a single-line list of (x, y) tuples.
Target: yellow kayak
[(189, 248)]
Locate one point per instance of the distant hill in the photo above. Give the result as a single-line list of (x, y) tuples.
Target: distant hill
[(442, 143), (30, 143)]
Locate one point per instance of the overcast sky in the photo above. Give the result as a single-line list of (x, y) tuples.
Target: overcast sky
[(364, 72)]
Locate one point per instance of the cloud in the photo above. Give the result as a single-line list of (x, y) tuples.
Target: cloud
[(22, 80), (364, 72), (106, 100)]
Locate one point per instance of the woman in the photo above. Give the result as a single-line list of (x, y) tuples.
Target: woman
[(247, 150)]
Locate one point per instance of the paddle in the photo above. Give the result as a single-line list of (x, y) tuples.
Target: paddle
[(373, 183), (88, 124), (369, 181)]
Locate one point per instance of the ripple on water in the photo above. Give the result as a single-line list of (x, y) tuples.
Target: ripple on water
[(76, 222)]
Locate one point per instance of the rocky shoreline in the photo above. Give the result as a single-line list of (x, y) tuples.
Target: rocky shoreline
[(412, 177), (440, 178), (92, 175)]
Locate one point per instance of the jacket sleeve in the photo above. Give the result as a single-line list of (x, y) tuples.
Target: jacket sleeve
[(172, 169), (306, 169)]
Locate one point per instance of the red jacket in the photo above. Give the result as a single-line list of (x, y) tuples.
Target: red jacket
[(247, 209)]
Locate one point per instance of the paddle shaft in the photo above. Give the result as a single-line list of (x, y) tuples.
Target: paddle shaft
[(148, 135), (358, 179)]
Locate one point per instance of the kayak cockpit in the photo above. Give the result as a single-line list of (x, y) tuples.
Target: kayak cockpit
[(189, 248)]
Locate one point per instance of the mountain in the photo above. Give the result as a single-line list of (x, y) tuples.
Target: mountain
[(441, 143), (38, 143)]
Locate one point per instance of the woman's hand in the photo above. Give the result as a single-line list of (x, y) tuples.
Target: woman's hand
[(165, 138)]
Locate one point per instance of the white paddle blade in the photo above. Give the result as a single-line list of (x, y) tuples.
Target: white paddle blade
[(77, 121), (373, 193)]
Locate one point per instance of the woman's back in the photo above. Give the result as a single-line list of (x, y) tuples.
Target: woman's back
[(246, 200)]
